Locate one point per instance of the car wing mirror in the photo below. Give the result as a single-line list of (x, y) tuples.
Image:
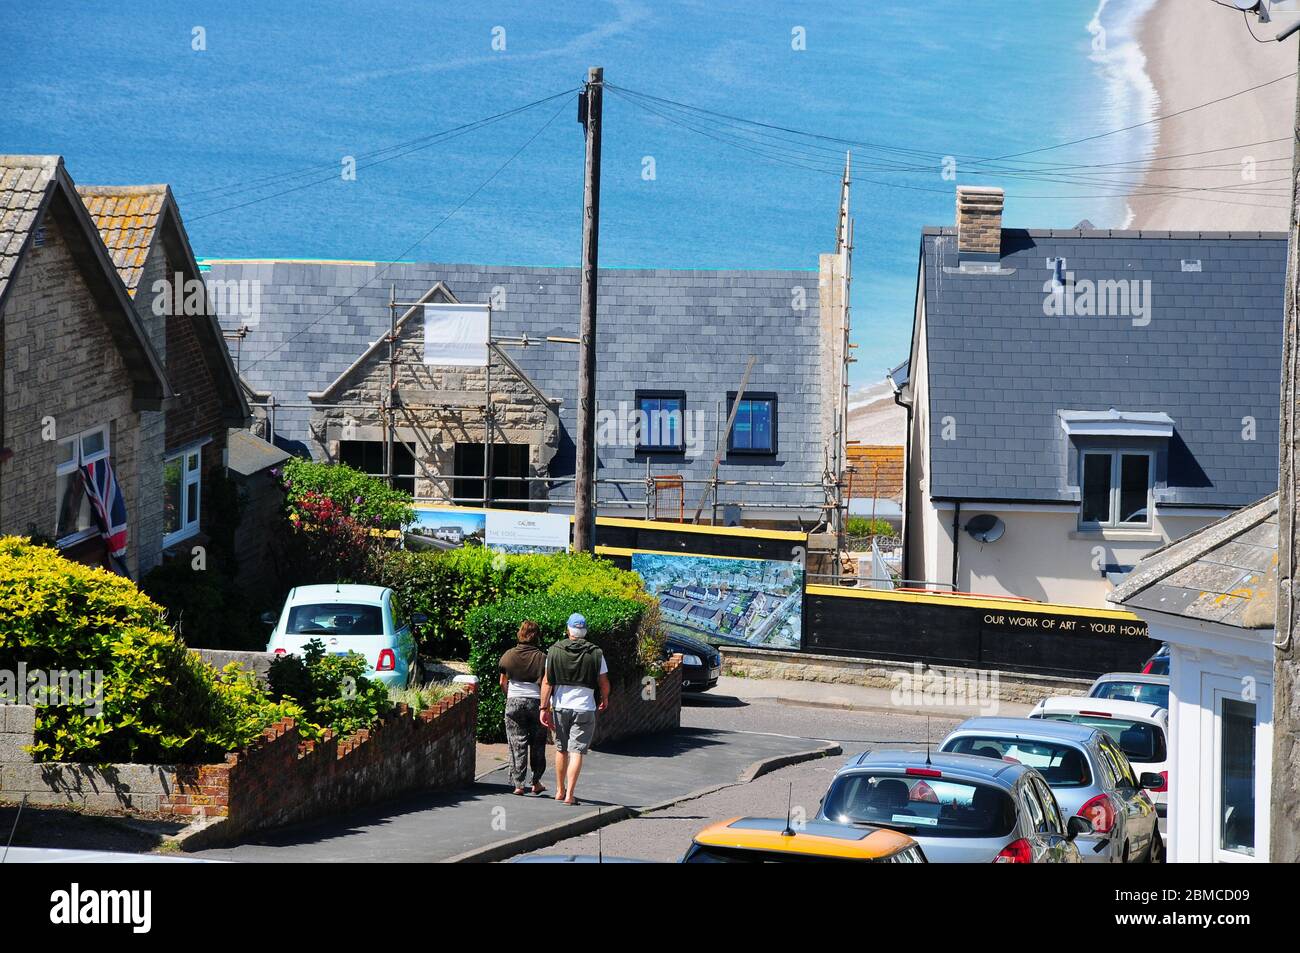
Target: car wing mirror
[(1077, 825), (1150, 780), (268, 618), (419, 618)]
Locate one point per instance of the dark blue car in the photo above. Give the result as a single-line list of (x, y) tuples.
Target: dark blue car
[(701, 662)]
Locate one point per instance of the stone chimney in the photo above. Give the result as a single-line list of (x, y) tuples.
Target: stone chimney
[(979, 223)]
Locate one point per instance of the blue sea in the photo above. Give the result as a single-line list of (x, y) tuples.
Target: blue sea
[(247, 110)]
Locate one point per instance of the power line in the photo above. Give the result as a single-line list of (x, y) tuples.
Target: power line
[(419, 241), (333, 176)]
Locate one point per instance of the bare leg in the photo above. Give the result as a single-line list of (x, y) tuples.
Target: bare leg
[(561, 766), (571, 778)]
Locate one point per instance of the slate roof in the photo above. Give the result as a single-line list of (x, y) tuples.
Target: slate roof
[(666, 329), (24, 181), (999, 368), (1225, 572), (247, 453), (127, 217)]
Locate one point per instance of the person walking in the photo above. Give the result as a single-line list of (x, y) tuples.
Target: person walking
[(521, 671), (576, 672)]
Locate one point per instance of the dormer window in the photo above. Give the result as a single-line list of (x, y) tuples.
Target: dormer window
[(1115, 488)]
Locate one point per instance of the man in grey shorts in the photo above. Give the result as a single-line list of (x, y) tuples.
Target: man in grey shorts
[(575, 672)]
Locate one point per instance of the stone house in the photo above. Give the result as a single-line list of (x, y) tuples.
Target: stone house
[(142, 229), (439, 419), (82, 381)]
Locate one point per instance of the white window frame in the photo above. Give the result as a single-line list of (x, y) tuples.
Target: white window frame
[(190, 522), (1116, 462), (79, 459)]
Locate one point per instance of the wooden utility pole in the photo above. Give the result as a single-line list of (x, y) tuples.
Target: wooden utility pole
[(1284, 818), (584, 512)]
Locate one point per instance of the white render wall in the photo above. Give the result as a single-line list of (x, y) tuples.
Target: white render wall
[(1209, 662)]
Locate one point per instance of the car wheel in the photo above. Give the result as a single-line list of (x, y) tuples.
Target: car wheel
[(1156, 855)]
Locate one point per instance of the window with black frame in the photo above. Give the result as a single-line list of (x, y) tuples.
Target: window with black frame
[(754, 430), (661, 416)]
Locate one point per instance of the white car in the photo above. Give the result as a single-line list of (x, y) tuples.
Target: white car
[(348, 618), (1140, 730)]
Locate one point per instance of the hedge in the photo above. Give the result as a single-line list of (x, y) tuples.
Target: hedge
[(613, 623), (367, 499), (160, 704), (448, 586)]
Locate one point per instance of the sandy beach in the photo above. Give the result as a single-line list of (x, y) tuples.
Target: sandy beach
[(1197, 51)]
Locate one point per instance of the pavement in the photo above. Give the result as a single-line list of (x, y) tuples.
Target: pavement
[(486, 822)]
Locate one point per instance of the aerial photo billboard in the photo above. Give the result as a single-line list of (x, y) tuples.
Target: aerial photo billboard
[(727, 601)]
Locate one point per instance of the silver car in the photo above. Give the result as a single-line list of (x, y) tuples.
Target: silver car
[(960, 808), (1088, 773), (1132, 687)]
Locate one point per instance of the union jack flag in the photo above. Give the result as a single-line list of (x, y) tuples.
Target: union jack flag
[(108, 502)]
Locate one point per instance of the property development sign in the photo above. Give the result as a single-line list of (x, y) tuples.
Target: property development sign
[(514, 531), (456, 335), (725, 600)]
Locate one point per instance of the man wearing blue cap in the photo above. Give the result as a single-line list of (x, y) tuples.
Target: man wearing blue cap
[(575, 672)]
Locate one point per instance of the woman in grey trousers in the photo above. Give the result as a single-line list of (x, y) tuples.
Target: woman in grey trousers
[(521, 670)]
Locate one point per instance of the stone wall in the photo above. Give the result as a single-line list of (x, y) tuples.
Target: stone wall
[(61, 365), (876, 673), (279, 779)]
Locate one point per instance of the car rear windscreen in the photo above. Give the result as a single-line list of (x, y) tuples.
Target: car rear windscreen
[(1142, 692), (335, 618), (1061, 765), (926, 807), (1140, 741)]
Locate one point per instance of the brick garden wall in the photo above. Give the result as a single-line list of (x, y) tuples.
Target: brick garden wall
[(279, 779), (635, 709)]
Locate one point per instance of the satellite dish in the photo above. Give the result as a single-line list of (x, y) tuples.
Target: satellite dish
[(986, 528)]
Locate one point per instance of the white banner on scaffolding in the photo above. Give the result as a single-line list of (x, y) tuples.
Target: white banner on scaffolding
[(456, 335)]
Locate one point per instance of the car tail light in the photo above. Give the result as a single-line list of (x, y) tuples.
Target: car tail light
[(1101, 812), (1017, 852), (280, 652), (1146, 669), (1096, 714), (387, 661), (925, 772)]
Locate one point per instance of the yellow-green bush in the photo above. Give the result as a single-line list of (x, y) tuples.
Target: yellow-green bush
[(160, 704)]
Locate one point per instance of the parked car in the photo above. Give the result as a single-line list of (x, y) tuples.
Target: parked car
[(773, 840), (701, 662), (960, 808), (348, 618), (1086, 770), (1132, 687), (1158, 664), (1141, 731)]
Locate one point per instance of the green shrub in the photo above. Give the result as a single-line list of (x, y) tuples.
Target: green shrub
[(448, 586), (203, 606), (865, 526), (612, 623), (367, 499), (159, 703), (332, 690)]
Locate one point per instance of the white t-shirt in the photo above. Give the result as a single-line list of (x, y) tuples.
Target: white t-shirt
[(577, 697), (523, 689)]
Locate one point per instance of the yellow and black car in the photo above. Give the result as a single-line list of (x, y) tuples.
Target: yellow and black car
[(773, 840)]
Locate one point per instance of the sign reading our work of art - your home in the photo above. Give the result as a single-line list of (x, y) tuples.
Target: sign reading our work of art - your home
[(727, 600), (456, 335), (515, 531)]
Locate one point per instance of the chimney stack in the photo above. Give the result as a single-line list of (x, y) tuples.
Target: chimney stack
[(979, 223)]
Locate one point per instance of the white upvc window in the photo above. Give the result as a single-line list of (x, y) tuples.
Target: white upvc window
[(74, 518), (1115, 488), (182, 495)]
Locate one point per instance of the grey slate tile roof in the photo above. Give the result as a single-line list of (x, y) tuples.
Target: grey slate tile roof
[(24, 180), (1225, 572), (664, 329), (1210, 356)]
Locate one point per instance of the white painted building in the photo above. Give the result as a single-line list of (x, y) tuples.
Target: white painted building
[(1211, 597)]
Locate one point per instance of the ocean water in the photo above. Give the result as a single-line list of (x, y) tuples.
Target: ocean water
[(251, 130)]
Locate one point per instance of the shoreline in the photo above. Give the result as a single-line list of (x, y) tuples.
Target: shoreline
[(1196, 53)]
